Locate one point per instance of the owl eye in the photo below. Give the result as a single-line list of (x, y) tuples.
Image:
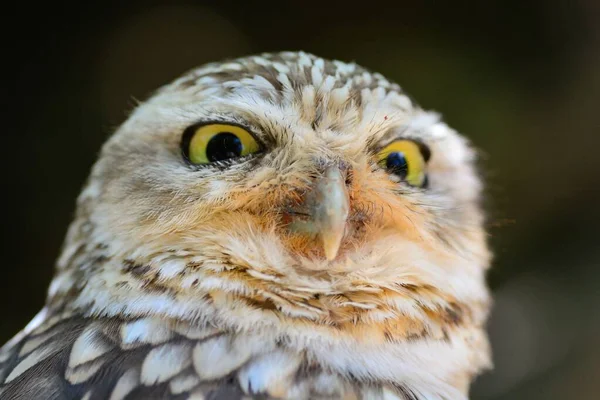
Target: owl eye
[(406, 159), (217, 142)]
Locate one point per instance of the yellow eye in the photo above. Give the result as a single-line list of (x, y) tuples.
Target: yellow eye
[(217, 142), (405, 159)]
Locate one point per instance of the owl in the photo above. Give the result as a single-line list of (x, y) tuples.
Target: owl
[(279, 226)]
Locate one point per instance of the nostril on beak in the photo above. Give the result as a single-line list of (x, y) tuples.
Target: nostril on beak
[(348, 175), (326, 209), (344, 168)]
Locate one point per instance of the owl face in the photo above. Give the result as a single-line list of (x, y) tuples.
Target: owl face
[(284, 186)]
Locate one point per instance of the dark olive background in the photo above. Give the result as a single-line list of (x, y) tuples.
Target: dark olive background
[(520, 78)]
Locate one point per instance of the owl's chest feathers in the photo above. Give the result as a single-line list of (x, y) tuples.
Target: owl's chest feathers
[(180, 357), (270, 339), (350, 330), (242, 298)]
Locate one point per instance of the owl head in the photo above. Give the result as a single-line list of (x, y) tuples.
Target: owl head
[(288, 192)]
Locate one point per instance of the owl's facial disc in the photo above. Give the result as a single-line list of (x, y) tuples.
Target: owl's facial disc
[(327, 206), (318, 215)]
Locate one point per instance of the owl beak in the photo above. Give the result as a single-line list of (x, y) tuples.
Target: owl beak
[(330, 210), (328, 205)]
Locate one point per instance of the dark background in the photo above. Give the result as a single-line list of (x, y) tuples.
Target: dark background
[(520, 78)]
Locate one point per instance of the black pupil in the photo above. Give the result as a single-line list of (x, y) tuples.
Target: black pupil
[(223, 146), (396, 164)]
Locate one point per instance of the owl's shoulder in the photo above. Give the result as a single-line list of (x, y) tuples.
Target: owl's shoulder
[(72, 357)]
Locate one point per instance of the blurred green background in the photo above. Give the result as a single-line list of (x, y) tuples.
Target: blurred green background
[(520, 78)]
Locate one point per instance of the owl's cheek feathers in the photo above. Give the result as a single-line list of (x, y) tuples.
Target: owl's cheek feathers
[(321, 211), (326, 219)]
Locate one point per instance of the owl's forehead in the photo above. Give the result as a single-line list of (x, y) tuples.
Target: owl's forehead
[(279, 70), (292, 90)]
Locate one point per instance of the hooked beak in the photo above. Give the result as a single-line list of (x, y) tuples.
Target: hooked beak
[(328, 205)]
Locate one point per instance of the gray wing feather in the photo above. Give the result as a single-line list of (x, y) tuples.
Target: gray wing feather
[(42, 370)]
